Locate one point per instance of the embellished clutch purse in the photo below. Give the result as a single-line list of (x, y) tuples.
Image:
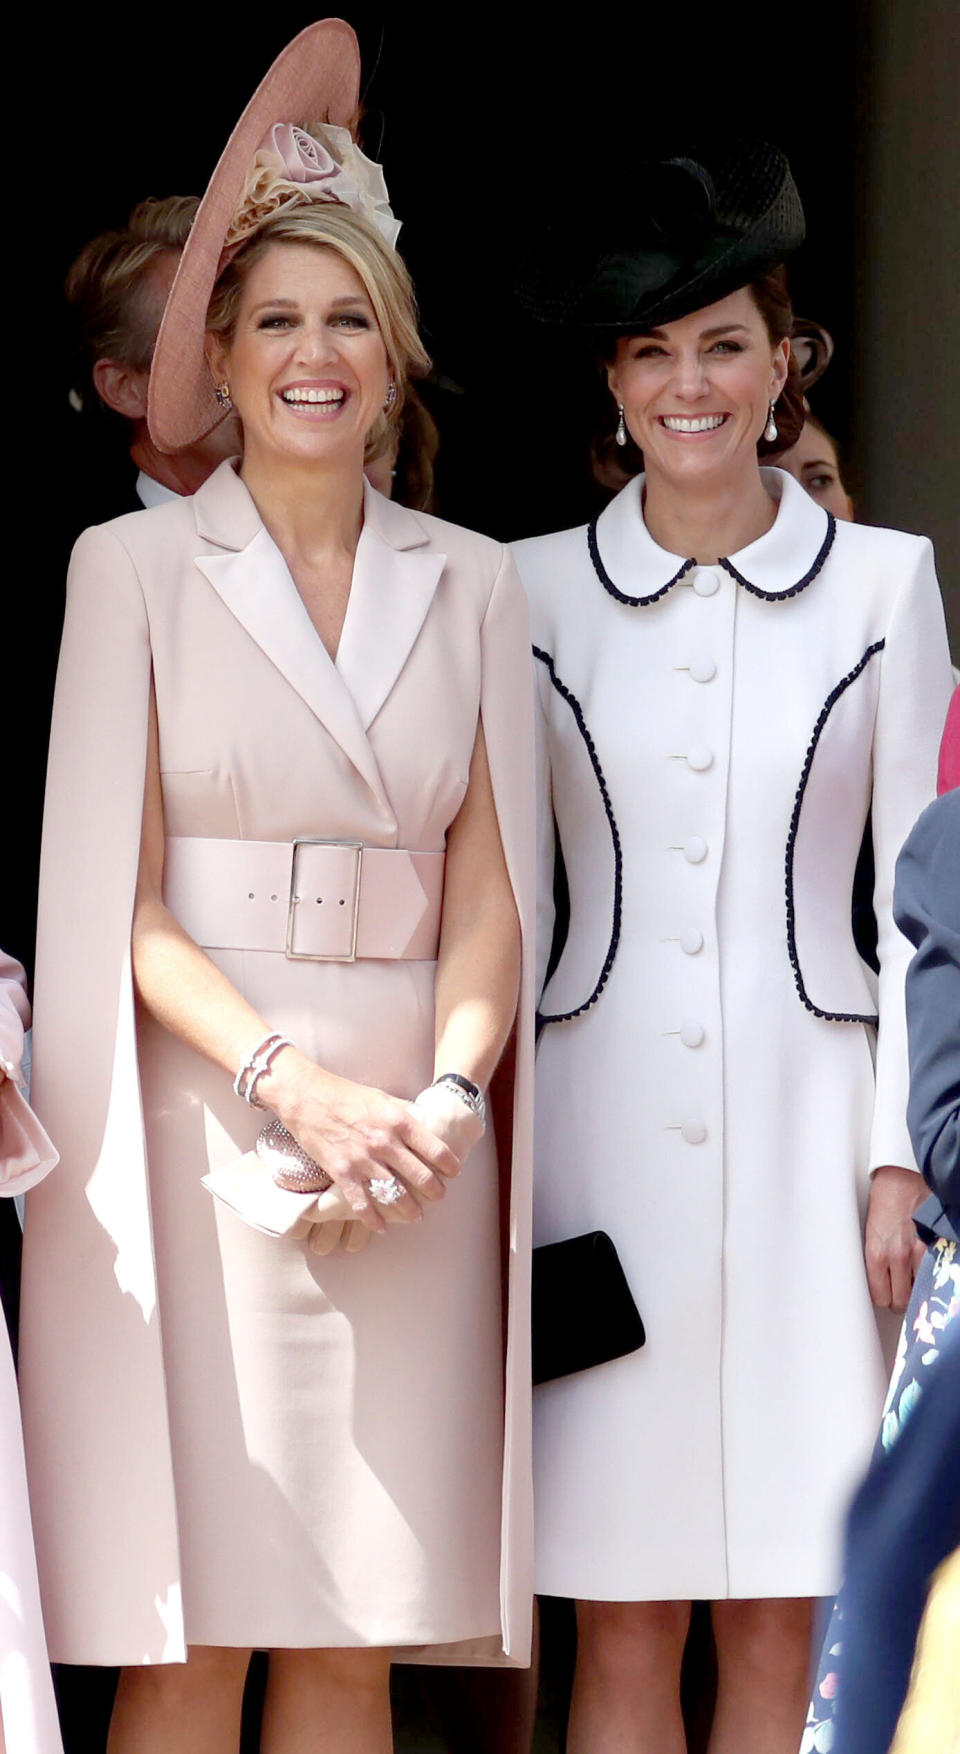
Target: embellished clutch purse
[(257, 1198), (280, 1152), (583, 1312)]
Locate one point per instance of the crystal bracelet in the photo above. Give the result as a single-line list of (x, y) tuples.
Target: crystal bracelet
[(256, 1065)]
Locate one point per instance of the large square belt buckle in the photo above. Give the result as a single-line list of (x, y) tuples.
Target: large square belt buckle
[(351, 904)]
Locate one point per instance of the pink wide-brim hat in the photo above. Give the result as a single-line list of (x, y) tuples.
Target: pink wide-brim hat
[(315, 79)]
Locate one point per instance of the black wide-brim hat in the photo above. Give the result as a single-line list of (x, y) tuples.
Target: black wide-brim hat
[(665, 239)]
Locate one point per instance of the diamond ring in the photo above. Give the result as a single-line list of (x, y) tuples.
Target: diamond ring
[(386, 1189)]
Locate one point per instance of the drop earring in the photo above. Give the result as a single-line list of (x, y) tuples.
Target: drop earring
[(222, 393), (770, 430), (621, 427), (391, 396)]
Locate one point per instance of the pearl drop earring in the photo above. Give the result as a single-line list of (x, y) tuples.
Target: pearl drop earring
[(770, 430), (621, 427)]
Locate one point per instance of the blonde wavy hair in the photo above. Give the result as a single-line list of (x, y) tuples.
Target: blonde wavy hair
[(328, 225)]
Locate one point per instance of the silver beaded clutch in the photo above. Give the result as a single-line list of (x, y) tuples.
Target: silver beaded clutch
[(279, 1152)]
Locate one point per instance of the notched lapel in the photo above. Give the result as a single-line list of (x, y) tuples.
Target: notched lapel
[(396, 572), (256, 586), (389, 599)]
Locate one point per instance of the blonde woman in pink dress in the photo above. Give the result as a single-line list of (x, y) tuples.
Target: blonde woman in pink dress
[(288, 858)]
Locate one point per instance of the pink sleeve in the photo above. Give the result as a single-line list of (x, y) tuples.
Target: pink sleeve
[(26, 1154), (948, 774), (14, 1013)]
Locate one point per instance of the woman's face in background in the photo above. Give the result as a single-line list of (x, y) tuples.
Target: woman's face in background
[(696, 393), (813, 462)]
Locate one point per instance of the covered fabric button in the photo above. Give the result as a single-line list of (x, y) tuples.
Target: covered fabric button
[(706, 584), (691, 941), (703, 670), (692, 1034), (694, 849), (700, 758), (693, 1132)]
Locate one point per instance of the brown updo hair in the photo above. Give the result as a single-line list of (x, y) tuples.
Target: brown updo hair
[(771, 296)]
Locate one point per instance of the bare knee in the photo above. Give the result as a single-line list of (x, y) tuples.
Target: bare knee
[(770, 1636), (351, 1670), (634, 1639), (173, 1688)]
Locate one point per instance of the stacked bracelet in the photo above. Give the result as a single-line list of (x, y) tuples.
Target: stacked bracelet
[(469, 1093), (256, 1065)]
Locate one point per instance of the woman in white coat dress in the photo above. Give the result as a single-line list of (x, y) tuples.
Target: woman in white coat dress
[(290, 793), (728, 680), (28, 1713)]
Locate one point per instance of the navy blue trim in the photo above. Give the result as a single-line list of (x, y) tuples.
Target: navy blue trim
[(654, 596), (801, 584), (828, 706), (608, 584), (575, 707)]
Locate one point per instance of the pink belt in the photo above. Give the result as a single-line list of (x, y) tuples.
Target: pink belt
[(311, 899)]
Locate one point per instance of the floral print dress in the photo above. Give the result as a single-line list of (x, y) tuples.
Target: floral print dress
[(933, 1305)]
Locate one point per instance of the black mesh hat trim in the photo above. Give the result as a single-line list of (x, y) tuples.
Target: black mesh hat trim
[(826, 710), (608, 961), (657, 249)]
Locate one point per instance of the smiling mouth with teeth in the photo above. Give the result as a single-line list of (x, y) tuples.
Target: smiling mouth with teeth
[(703, 422), (297, 398)]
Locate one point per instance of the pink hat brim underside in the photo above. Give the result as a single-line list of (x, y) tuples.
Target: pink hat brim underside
[(315, 78)]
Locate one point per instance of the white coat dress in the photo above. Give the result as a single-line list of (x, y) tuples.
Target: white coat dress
[(711, 740)]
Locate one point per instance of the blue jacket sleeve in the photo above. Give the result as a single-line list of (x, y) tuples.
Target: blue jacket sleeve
[(927, 910)]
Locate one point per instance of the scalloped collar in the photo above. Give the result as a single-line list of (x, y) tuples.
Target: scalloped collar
[(635, 570)]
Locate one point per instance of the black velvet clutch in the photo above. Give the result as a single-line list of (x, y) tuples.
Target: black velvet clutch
[(583, 1312)]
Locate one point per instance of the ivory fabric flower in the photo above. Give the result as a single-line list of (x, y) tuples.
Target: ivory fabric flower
[(292, 167), (374, 202)]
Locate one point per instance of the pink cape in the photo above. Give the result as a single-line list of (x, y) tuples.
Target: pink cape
[(27, 1707)]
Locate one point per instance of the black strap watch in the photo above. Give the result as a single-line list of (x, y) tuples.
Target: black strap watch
[(468, 1092)]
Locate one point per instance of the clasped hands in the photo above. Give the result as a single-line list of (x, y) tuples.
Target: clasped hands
[(362, 1137)]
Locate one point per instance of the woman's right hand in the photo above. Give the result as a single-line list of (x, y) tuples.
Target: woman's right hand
[(358, 1134), (447, 1118)]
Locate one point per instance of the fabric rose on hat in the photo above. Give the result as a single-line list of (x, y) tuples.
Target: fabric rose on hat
[(293, 167), (303, 159)]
